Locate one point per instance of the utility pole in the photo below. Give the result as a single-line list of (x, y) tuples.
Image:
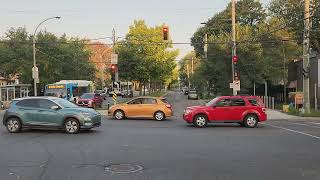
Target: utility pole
[(234, 44), (192, 66), (306, 58), (188, 75), (116, 75), (284, 39), (206, 45)]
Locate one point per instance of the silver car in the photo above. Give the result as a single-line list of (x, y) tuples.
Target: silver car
[(193, 94)]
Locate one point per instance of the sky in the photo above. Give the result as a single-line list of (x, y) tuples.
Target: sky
[(96, 18)]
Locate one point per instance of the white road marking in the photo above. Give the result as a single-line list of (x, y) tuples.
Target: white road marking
[(314, 123), (304, 124), (299, 132)]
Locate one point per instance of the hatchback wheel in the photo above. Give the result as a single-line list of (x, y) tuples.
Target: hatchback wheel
[(13, 125), (72, 126), (250, 121), (159, 116), (200, 121), (119, 114)]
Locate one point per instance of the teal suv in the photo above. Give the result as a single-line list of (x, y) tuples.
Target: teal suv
[(49, 112)]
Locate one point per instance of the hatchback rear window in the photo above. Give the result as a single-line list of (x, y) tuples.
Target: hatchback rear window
[(165, 101)]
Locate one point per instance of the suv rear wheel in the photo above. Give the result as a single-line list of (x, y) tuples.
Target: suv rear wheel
[(200, 121), (159, 116), (250, 121)]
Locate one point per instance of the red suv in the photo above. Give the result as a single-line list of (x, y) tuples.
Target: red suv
[(245, 110), (91, 100)]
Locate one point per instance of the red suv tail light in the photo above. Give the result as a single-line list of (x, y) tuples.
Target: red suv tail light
[(263, 109)]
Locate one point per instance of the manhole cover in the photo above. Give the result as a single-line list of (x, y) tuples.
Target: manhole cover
[(123, 168)]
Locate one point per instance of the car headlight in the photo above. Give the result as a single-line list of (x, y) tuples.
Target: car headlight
[(86, 114), (187, 111)]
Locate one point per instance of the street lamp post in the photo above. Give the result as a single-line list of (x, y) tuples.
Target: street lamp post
[(35, 74)]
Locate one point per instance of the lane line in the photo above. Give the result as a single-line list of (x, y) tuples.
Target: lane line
[(303, 124), (291, 130), (315, 123)]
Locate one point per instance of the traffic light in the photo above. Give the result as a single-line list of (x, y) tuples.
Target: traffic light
[(165, 33), (113, 68), (113, 71), (235, 59)]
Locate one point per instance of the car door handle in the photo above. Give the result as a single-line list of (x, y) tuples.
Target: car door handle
[(40, 110)]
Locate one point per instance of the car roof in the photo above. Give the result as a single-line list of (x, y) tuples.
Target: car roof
[(152, 97), (240, 96), (36, 97)]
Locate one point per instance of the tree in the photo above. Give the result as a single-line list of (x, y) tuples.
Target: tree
[(292, 13), (144, 56), (57, 57), (249, 12), (101, 57)]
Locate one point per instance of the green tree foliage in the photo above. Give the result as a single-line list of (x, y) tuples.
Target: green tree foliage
[(57, 57), (260, 53), (249, 12), (144, 56), (292, 13)]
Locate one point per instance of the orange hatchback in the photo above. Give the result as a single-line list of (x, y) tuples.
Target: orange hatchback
[(142, 107)]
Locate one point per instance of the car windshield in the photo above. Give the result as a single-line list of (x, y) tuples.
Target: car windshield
[(64, 103), (212, 102), (87, 96)]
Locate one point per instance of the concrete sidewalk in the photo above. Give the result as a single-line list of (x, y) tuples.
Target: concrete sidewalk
[(277, 115)]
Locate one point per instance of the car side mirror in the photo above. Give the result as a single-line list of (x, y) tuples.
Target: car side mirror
[(55, 107)]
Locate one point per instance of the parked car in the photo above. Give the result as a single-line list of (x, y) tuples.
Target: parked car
[(126, 93), (1, 105), (248, 111), (91, 100), (193, 94), (49, 112), (102, 93), (142, 107)]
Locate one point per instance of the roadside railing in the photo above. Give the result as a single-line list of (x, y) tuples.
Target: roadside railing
[(268, 101)]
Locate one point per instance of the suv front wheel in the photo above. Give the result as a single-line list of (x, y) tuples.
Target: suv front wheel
[(200, 121), (13, 125), (251, 121)]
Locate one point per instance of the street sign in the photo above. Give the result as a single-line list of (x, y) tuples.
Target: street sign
[(35, 74), (114, 58), (236, 85)]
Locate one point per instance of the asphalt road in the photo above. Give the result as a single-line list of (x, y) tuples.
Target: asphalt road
[(168, 150)]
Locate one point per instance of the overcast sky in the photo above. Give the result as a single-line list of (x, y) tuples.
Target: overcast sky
[(96, 18)]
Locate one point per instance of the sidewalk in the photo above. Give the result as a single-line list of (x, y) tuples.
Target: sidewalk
[(277, 115)]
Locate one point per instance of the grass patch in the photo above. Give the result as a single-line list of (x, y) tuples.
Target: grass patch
[(296, 112)]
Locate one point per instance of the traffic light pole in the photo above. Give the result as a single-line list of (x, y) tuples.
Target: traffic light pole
[(234, 45), (306, 57), (116, 75)]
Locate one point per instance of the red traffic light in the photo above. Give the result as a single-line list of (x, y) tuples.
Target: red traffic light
[(235, 59), (113, 67), (165, 33)]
